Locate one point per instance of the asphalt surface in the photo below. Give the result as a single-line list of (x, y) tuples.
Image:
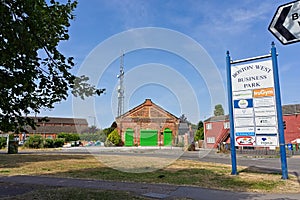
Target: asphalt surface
[(14, 185), (155, 191)]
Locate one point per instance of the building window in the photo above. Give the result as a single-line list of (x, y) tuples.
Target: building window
[(226, 125), (211, 140), (209, 126)]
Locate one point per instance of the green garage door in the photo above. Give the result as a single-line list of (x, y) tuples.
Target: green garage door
[(129, 137), (167, 137), (148, 138)]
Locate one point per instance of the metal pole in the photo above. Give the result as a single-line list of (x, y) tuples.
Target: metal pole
[(251, 59), (232, 142), (279, 113)]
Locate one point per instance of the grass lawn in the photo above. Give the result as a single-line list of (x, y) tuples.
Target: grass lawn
[(54, 193), (180, 172)]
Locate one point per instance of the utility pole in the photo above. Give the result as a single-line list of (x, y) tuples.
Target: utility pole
[(121, 86)]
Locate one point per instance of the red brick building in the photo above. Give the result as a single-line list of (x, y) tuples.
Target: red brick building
[(291, 116), (148, 125), (55, 125), (216, 129)]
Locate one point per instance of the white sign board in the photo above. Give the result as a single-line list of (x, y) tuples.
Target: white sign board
[(286, 23), (254, 108)]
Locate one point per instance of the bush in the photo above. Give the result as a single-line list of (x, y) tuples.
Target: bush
[(59, 142), (48, 143), (3, 142), (69, 136), (35, 141), (115, 138)]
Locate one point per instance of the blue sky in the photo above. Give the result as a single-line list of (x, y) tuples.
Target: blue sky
[(170, 78)]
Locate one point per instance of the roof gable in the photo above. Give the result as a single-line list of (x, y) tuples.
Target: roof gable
[(148, 109)]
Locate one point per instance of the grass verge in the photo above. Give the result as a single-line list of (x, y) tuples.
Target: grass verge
[(180, 172)]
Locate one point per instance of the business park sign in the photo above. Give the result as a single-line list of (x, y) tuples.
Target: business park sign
[(254, 105)]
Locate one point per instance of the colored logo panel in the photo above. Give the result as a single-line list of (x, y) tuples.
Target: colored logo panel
[(245, 140), (265, 92), (242, 94), (245, 134), (267, 140), (243, 103)]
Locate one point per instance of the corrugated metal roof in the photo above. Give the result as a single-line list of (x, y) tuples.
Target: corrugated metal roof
[(291, 109), (58, 125)]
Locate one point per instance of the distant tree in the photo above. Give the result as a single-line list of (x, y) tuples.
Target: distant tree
[(34, 73), (200, 125), (218, 110), (113, 126), (98, 136), (91, 129), (199, 135), (183, 119)]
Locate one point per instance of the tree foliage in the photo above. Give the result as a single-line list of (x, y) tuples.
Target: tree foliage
[(3, 142), (69, 136), (200, 125), (218, 110), (199, 132), (34, 73), (183, 119), (35, 141), (98, 136), (114, 137)]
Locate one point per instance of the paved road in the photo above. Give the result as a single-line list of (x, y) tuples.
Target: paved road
[(155, 191), (247, 160)]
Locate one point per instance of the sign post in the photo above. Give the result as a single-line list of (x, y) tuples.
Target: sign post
[(255, 105), (279, 114), (230, 107), (285, 25)]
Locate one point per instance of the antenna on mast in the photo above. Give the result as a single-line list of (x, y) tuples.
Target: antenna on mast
[(121, 86)]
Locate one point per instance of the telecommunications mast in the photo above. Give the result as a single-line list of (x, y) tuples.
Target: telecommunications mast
[(121, 86)]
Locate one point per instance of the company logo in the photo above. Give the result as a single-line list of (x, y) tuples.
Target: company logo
[(243, 103), (266, 92)]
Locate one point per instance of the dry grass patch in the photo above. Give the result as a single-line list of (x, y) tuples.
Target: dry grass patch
[(179, 172)]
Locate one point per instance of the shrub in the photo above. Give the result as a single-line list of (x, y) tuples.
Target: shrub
[(59, 142), (3, 142), (69, 136), (35, 141), (115, 138), (48, 143)]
